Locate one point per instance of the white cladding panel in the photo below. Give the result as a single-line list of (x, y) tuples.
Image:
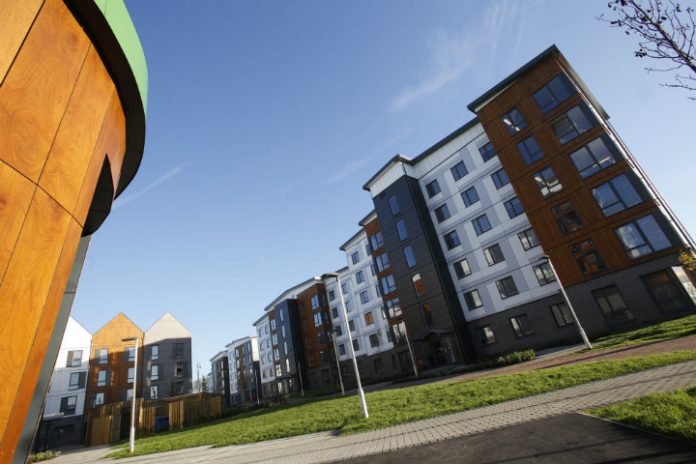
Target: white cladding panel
[(167, 327)]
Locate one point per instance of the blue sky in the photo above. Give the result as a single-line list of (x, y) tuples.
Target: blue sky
[(265, 118)]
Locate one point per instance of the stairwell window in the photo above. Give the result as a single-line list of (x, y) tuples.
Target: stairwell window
[(514, 121)]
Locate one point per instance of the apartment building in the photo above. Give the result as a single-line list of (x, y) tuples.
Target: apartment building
[(167, 361), (245, 376), (220, 373), (63, 420)]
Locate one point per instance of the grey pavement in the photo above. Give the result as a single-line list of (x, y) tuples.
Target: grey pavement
[(329, 447)]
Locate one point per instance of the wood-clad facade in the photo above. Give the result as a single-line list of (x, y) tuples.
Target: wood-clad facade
[(63, 139), (315, 332)]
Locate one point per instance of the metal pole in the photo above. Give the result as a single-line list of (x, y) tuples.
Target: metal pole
[(256, 384), (361, 393), (338, 364), (299, 374), (408, 343), (583, 335), (135, 389)]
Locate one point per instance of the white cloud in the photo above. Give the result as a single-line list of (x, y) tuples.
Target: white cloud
[(152, 185)]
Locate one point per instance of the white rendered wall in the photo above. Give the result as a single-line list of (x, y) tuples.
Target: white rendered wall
[(265, 350)]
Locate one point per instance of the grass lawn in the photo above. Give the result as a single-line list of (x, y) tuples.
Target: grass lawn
[(654, 333), (672, 414), (390, 407)]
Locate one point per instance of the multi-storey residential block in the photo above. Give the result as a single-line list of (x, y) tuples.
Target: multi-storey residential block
[(167, 359), (63, 417), (220, 370), (245, 381)]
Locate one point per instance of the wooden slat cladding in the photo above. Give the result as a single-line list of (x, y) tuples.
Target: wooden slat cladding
[(575, 189), (17, 17), (16, 192), (308, 331)]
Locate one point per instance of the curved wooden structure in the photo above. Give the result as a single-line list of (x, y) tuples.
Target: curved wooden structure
[(71, 135)]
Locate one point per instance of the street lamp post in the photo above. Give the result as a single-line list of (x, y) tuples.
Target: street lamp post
[(135, 387), (583, 335), (361, 393), (410, 350), (338, 363)]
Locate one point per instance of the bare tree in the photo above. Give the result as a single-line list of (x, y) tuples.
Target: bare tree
[(665, 30)]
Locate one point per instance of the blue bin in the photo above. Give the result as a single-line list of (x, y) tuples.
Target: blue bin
[(161, 424)]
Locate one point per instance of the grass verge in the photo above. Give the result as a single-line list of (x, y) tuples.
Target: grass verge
[(672, 413), (396, 406), (654, 333)]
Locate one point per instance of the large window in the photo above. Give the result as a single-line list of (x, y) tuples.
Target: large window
[(458, 171), (470, 196), (452, 239), (521, 325), (315, 301), (566, 217), (433, 188), (561, 314), (667, 292), (514, 121), (530, 150), (473, 299), (528, 239), (544, 273), (612, 305), (513, 207), (462, 269), (442, 212), (642, 237), (418, 285), (359, 278), (154, 352), (394, 205), (401, 229), (68, 405), (481, 224), (74, 358), (487, 152), (500, 178), (547, 181), (506, 287), (553, 92), (101, 378), (487, 336), (388, 284), (393, 307), (587, 257), (616, 195), (355, 257), (376, 240), (575, 122), (595, 156), (493, 254), (410, 256), (382, 262), (154, 372), (102, 354)]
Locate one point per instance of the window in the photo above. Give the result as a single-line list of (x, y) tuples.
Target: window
[(342, 350), (553, 92), (442, 212), (513, 207), (528, 239), (129, 394), (486, 334), (427, 315), (131, 374), (458, 171), (179, 347), (418, 285), (102, 355), (154, 352), (154, 391), (493, 254), (332, 295), (344, 288), (394, 205), (481, 224), (359, 277), (179, 388), (393, 307), (547, 182), (376, 240), (562, 315), (462, 269), (129, 353), (597, 155), (616, 195), (279, 372), (74, 358), (470, 196), (368, 249), (355, 257), (364, 297), (369, 318), (68, 405), (356, 344), (154, 372), (77, 380), (473, 299), (317, 319), (410, 257), (544, 273), (379, 365), (487, 152), (374, 340), (98, 399), (179, 370), (514, 121), (530, 150), (382, 262), (667, 291), (433, 188), (642, 237), (401, 229), (101, 378), (612, 305), (575, 122), (315, 301), (521, 325), (567, 219), (338, 330), (500, 178), (506, 287), (586, 257), (452, 240), (388, 284)]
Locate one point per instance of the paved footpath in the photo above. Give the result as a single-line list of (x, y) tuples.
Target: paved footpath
[(327, 447)]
